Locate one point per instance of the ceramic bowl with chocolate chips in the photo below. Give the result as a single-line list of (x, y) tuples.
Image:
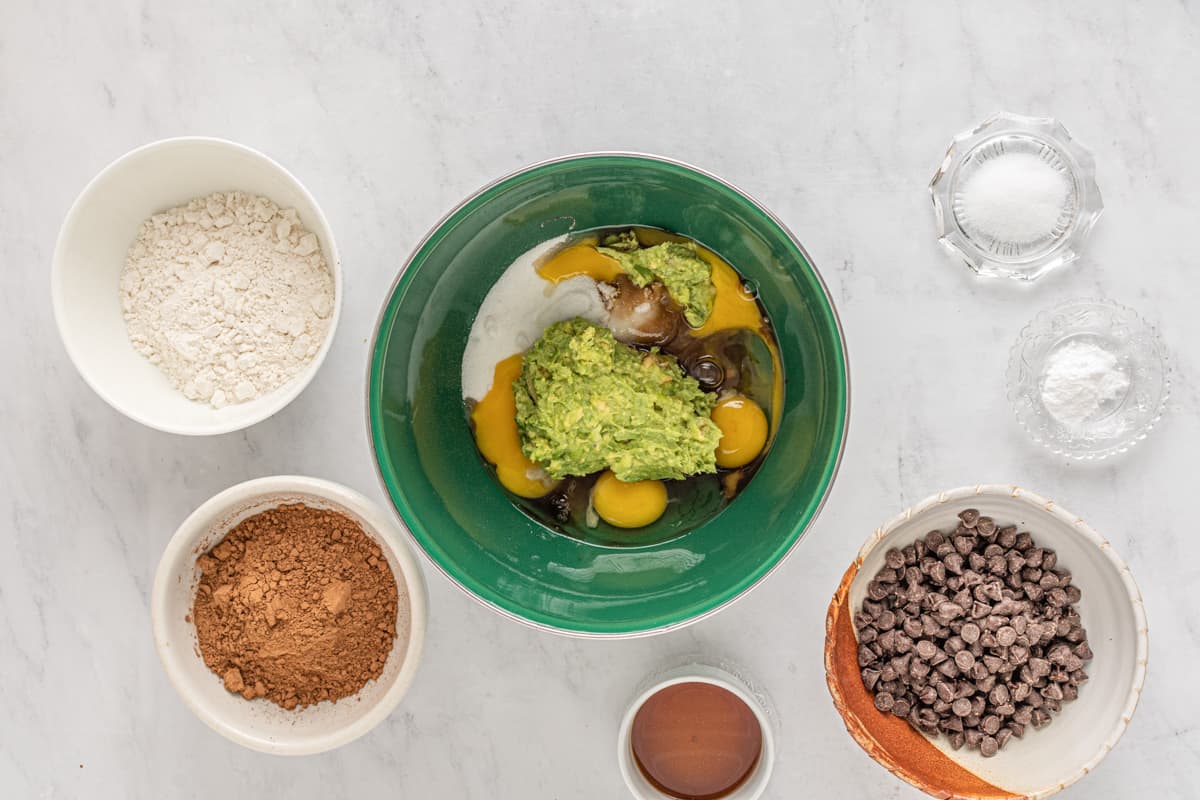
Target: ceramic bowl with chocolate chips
[(986, 643)]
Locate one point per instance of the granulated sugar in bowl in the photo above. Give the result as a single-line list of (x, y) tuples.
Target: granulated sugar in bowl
[(214, 601), (1015, 197)]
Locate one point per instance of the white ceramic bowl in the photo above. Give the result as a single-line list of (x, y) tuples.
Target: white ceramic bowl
[(260, 724), (753, 787), (1044, 761), (90, 254)]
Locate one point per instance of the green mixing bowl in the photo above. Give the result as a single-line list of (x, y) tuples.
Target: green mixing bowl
[(449, 501)]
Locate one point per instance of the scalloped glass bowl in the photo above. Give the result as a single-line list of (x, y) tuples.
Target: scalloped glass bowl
[(995, 253), (1137, 348), (449, 500)]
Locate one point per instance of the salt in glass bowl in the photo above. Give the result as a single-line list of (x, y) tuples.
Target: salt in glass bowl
[(1118, 424), (993, 252)]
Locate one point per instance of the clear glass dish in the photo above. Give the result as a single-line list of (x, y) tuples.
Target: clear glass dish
[(994, 247), (1121, 421)]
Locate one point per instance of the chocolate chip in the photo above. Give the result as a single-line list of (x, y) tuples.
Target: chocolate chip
[(969, 517), (972, 633), (948, 668), (1007, 536)]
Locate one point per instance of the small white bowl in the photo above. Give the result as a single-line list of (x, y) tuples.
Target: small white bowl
[(1082, 734), (753, 787), (260, 724), (90, 254)]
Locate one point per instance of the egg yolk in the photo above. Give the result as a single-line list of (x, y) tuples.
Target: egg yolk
[(733, 305), (495, 418), (580, 259), (628, 505), (743, 431)]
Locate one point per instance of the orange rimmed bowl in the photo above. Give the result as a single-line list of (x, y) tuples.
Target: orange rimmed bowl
[(1045, 761)]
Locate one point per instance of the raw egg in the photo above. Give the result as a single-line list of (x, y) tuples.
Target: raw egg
[(743, 431), (579, 259), (495, 418), (628, 505)]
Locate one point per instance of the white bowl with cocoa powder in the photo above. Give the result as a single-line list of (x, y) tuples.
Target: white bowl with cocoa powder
[(89, 298), (260, 724)]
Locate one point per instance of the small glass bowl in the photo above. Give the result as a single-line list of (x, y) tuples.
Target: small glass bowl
[(1117, 425), (992, 253)]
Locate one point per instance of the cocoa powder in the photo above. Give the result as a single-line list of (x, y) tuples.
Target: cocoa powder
[(296, 604)]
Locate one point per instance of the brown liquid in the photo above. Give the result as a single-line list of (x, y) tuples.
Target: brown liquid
[(696, 741)]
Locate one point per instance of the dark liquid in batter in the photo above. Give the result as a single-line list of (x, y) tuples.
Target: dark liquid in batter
[(696, 741)]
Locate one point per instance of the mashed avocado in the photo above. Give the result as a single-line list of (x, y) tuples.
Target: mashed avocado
[(586, 402), (676, 265)]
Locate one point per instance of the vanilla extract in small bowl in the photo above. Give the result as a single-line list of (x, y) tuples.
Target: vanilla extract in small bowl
[(698, 734)]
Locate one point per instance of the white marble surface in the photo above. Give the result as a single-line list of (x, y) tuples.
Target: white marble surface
[(835, 116)]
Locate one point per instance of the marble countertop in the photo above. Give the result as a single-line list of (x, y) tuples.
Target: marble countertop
[(834, 115)]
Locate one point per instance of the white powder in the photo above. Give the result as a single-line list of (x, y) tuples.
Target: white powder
[(229, 295), (1081, 381), (1014, 197)]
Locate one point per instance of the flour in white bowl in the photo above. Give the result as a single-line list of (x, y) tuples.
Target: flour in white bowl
[(228, 295)]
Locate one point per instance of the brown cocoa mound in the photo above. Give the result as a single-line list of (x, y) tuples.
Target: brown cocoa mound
[(296, 604)]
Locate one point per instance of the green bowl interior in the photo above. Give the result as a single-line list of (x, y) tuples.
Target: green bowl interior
[(447, 496)]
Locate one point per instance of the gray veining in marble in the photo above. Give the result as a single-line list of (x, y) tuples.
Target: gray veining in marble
[(835, 114)]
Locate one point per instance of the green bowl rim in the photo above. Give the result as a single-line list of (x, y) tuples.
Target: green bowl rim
[(797, 534)]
